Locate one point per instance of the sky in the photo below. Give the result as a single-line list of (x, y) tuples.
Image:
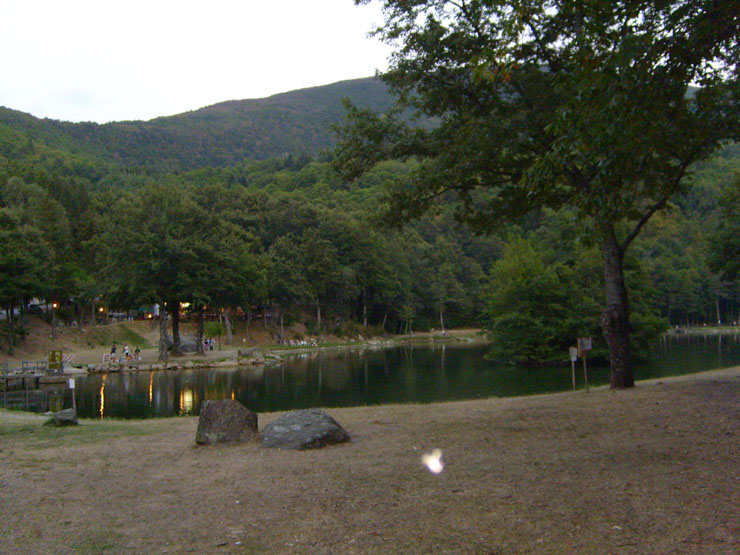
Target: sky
[(114, 60)]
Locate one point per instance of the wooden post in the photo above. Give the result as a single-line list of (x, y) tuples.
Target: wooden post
[(584, 346), (573, 373)]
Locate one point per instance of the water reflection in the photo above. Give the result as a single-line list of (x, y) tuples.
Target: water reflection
[(102, 394), (186, 401), (396, 375)]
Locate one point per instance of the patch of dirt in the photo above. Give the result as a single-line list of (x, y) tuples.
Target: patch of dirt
[(71, 340), (653, 469)]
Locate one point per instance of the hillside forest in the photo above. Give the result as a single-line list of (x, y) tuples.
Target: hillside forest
[(107, 216)]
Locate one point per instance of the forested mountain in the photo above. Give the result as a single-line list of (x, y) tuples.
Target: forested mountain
[(293, 123), (229, 206)]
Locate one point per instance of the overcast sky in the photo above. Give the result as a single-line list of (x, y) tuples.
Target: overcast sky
[(109, 60)]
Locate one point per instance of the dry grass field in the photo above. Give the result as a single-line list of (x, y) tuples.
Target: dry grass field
[(655, 469)]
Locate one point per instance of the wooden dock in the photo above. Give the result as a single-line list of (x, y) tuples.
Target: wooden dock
[(30, 374), (27, 381)]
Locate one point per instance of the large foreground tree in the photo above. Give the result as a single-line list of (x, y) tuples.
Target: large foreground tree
[(601, 106)]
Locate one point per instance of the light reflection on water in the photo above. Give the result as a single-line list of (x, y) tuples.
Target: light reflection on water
[(411, 373), (103, 378), (186, 401)]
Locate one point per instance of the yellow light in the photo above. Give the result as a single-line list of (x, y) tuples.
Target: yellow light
[(54, 305), (101, 309)]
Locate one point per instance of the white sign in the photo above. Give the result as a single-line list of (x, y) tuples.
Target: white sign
[(71, 383), (573, 354)]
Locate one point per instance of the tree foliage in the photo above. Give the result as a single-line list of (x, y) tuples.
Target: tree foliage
[(244, 236), (552, 104)]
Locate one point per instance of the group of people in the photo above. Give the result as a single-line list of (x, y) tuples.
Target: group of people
[(208, 345), (126, 353)]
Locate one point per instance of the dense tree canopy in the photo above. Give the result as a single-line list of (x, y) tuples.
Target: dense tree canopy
[(87, 234), (725, 256)]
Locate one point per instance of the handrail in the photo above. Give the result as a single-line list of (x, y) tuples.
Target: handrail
[(31, 367)]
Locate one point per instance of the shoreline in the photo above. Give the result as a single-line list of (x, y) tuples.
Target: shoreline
[(265, 354), (730, 372)]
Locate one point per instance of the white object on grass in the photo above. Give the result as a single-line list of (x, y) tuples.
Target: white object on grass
[(433, 461)]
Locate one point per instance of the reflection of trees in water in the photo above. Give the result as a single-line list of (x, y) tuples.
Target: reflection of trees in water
[(395, 375)]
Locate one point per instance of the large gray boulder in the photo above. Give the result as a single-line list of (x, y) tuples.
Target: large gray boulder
[(187, 344), (226, 421), (66, 417), (303, 429)]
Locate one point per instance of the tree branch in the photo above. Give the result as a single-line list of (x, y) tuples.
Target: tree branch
[(657, 206)]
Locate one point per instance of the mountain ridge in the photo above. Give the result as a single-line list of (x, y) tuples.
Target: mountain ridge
[(291, 123)]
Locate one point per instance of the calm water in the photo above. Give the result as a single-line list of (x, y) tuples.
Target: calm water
[(402, 374)]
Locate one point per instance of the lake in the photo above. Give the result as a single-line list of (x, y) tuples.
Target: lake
[(419, 373)]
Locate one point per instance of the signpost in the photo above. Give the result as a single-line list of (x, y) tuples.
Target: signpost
[(584, 346), (573, 359), (72, 387)]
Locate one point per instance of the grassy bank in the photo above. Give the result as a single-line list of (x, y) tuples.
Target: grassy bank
[(89, 345), (648, 470)]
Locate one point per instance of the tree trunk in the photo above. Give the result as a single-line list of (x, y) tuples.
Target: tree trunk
[(175, 311), (719, 317), (163, 333), (227, 325), (249, 321), (53, 322), (385, 318), (282, 328), (201, 332), (11, 330), (318, 315), (80, 314), (364, 307), (92, 313), (615, 318), (442, 318)]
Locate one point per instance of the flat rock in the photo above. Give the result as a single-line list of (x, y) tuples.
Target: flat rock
[(226, 421), (66, 417), (303, 429)]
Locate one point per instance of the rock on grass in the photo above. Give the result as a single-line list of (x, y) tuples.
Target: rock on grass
[(226, 421), (66, 417), (304, 429)]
